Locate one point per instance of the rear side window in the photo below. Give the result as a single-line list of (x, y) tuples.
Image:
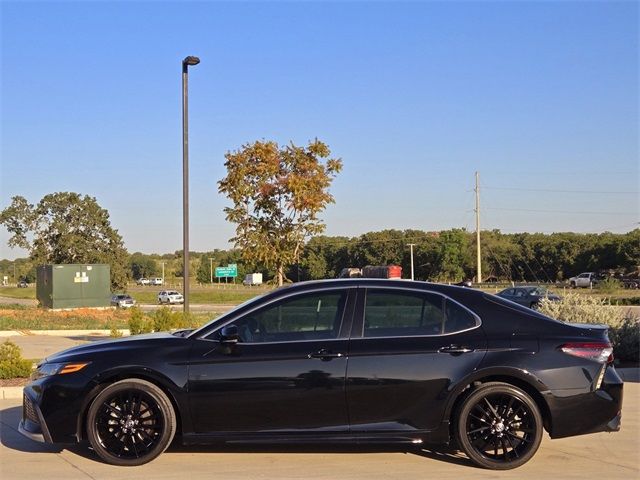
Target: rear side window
[(391, 313)]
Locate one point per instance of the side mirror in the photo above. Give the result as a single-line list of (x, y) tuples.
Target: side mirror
[(229, 334)]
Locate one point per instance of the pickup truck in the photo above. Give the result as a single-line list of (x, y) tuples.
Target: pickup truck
[(585, 280)]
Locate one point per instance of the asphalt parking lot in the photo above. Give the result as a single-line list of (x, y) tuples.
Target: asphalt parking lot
[(602, 455)]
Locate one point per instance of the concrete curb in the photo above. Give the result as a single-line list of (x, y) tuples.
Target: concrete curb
[(7, 393), (61, 333)]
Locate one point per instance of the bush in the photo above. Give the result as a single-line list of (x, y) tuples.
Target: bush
[(164, 320), (12, 365), (582, 309), (115, 333), (138, 322), (609, 285), (624, 333), (626, 340)]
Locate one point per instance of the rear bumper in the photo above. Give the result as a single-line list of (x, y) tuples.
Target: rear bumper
[(587, 412)]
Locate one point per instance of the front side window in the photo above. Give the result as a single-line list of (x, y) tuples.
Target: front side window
[(393, 313), (314, 316)]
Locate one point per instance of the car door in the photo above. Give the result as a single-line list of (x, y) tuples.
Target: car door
[(520, 297), (286, 373), (407, 348), (508, 294)]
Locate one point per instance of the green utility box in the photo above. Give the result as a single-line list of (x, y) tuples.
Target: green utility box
[(73, 286)]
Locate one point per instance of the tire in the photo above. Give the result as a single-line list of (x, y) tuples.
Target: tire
[(573, 285), (499, 426), (114, 417)]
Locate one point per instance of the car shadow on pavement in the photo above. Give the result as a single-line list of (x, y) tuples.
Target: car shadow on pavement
[(90, 338), (12, 439), (440, 453)]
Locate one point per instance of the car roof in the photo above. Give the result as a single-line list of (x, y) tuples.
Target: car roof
[(375, 283)]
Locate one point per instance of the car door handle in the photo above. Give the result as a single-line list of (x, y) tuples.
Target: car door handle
[(455, 349), (324, 354)]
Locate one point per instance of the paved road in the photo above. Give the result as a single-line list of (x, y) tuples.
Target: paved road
[(602, 455), (20, 301)]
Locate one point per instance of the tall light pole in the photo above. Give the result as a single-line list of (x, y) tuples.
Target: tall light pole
[(162, 263), (477, 210), (411, 245), (211, 270), (186, 63)]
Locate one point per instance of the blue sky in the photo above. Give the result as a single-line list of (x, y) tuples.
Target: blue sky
[(541, 98)]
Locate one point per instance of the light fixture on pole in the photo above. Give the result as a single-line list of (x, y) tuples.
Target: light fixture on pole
[(186, 63)]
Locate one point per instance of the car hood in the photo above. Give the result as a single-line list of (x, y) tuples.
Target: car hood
[(126, 343)]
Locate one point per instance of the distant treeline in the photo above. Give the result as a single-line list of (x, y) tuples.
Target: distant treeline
[(450, 255), (438, 256)]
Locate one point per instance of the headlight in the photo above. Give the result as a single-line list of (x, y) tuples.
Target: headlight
[(48, 369)]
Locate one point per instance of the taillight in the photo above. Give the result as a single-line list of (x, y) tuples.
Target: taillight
[(598, 351)]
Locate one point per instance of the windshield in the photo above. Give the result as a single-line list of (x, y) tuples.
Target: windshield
[(224, 316)]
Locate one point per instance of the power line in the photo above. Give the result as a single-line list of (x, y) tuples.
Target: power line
[(558, 211), (551, 190)]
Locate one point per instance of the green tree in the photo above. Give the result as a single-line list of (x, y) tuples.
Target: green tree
[(142, 265), (66, 227), (277, 194), (453, 254)]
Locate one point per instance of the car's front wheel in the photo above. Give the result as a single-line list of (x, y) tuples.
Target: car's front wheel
[(499, 426), (130, 422)]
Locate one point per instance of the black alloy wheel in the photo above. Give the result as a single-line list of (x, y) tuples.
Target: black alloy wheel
[(499, 426), (130, 422)]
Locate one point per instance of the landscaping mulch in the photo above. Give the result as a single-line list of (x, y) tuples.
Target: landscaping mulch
[(13, 382)]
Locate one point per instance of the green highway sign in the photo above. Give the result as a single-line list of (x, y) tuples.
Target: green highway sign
[(230, 270)]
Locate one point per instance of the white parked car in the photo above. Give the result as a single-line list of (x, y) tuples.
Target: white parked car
[(170, 297), (585, 280), (143, 281), (155, 281)]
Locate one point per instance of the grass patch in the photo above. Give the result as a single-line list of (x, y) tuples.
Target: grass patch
[(202, 295), (14, 306), (33, 318), (15, 292), (149, 295)]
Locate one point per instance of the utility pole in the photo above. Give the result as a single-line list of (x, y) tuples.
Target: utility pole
[(211, 270), (162, 263), (411, 245), (477, 210)]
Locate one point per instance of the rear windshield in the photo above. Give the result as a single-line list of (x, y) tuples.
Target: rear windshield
[(516, 306)]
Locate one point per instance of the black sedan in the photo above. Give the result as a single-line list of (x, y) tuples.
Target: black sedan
[(354, 360), (528, 296)]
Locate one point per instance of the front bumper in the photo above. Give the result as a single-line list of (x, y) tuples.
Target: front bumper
[(32, 425)]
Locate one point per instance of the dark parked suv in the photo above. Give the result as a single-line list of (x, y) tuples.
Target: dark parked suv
[(355, 360)]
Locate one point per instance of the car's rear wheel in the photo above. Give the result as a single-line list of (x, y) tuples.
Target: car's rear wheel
[(499, 426), (130, 422)]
